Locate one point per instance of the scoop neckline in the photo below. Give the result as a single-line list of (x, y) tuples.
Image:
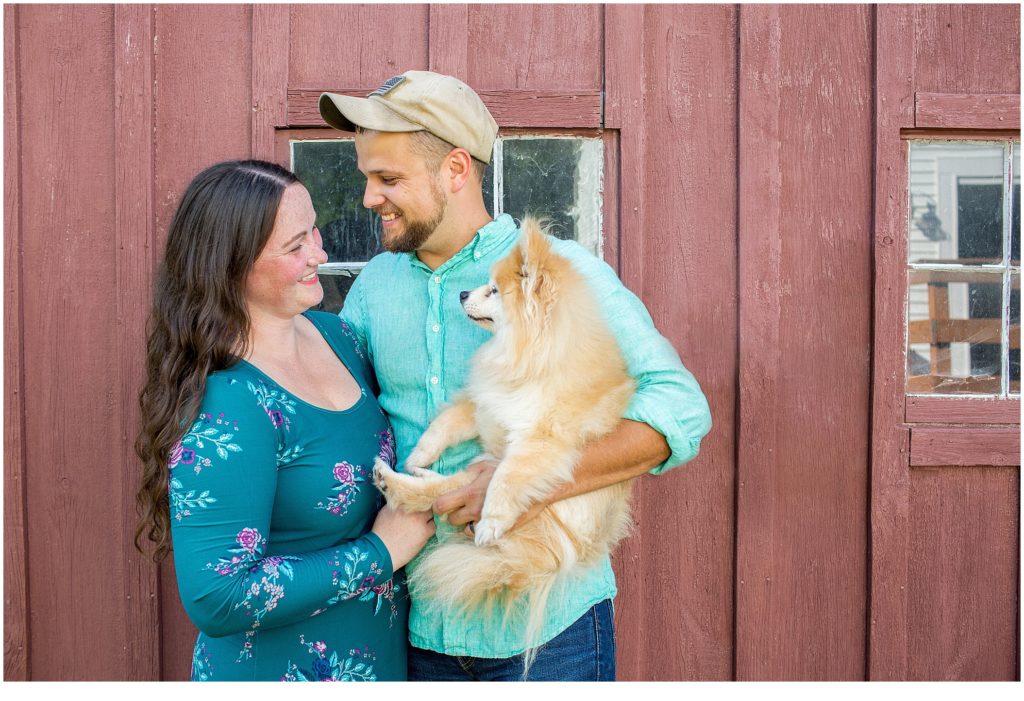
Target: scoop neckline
[(362, 390)]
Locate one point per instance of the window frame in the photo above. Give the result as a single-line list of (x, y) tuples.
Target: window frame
[(932, 425), (1003, 266), (284, 153)]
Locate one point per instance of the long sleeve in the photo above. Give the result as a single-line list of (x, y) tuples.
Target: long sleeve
[(223, 484), (668, 398)]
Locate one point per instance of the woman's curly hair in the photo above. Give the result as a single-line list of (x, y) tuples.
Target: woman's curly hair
[(199, 322)]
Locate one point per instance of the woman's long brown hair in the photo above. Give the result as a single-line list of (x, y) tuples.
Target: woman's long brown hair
[(199, 322)]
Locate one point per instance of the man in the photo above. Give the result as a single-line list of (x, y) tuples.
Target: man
[(423, 141)]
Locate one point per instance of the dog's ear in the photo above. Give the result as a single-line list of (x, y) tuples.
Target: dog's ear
[(533, 247)]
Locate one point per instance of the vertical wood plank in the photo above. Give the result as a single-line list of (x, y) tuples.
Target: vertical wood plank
[(203, 75), (804, 248), (964, 563), (16, 632), (623, 60), (133, 233), (689, 286), (355, 46), (448, 40), (270, 31), (74, 470), (890, 499), (535, 46)]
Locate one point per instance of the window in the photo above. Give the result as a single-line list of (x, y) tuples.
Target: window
[(556, 177), (963, 332)]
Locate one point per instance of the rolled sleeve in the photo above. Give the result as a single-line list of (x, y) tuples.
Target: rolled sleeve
[(668, 397)]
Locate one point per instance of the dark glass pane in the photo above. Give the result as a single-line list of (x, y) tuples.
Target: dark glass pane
[(351, 232), (1015, 209), (981, 221), (1015, 332), (488, 188), (335, 289), (540, 180)]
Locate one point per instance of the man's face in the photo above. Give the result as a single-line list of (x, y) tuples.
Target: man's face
[(401, 188)]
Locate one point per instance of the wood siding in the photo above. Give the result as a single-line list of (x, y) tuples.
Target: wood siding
[(755, 194)]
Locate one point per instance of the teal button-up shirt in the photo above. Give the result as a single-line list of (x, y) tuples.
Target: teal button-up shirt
[(420, 342)]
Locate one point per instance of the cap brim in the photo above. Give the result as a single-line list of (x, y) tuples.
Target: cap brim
[(346, 113)]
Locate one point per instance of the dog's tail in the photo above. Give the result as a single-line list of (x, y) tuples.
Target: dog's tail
[(514, 576)]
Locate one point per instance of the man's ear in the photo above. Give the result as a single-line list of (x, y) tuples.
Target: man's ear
[(459, 168)]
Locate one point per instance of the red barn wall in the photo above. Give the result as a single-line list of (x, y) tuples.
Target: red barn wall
[(745, 198)]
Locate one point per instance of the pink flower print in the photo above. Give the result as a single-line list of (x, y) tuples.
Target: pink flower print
[(249, 538), (387, 448), (384, 589), (176, 451), (368, 582), (344, 473), (276, 418), (187, 457), (320, 646)]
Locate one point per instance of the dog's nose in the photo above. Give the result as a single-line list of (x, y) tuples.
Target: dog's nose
[(463, 296)]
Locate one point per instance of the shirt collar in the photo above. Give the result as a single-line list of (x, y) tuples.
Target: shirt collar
[(493, 234)]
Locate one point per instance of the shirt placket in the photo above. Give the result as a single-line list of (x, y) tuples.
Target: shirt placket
[(434, 369)]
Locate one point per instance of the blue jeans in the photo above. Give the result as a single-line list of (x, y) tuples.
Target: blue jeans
[(583, 652)]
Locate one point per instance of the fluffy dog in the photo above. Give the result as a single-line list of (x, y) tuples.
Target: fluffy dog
[(550, 380)]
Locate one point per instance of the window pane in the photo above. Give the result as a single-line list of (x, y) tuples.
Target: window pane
[(954, 332), (1015, 208), (1015, 332), (351, 232), (956, 198), (558, 179)]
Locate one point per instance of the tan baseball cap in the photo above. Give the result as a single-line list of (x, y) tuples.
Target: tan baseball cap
[(418, 101)]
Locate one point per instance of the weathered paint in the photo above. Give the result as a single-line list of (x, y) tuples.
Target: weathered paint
[(755, 184)]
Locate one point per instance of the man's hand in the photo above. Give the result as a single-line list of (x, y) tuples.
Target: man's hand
[(463, 506)]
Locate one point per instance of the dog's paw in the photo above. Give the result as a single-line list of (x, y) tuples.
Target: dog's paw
[(381, 474), (486, 532)]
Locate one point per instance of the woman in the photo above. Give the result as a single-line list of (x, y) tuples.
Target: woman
[(260, 429)]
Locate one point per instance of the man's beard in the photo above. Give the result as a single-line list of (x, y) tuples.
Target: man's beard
[(416, 232)]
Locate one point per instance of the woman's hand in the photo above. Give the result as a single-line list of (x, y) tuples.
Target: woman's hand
[(403, 533)]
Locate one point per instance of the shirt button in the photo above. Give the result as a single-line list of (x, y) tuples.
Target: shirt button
[(435, 328), (437, 279), (433, 380)]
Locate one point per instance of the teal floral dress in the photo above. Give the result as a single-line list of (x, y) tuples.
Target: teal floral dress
[(271, 502)]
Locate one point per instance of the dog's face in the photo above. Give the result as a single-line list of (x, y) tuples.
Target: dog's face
[(522, 290)]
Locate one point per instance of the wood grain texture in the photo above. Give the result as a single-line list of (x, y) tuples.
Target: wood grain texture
[(355, 45), (890, 451), (688, 192), (74, 470), (968, 49), (804, 328), (949, 410), (623, 60), (534, 47), (448, 32), (133, 279), (967, 111), (964, 566), (941, 49), (270, 36), (510, 108), (202, 114), (16, 631), (964, 446)]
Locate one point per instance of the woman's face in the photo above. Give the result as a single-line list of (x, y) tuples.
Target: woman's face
[(283, 281)]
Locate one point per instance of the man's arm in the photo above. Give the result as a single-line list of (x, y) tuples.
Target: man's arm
[(630, 450)]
